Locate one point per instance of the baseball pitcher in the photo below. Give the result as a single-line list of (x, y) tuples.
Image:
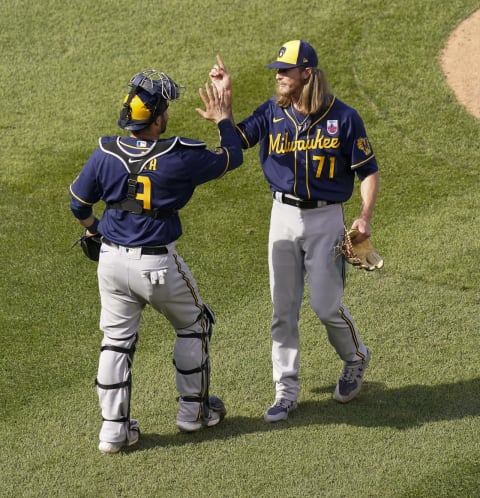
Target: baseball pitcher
[(312, 146)]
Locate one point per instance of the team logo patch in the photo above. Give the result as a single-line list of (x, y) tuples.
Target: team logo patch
[(364, 145), (332, 126)]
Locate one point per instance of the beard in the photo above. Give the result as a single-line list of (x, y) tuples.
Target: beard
[(283, 95), (283, 92)]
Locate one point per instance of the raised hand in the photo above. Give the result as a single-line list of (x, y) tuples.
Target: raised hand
[(220, 77), (217, 105)]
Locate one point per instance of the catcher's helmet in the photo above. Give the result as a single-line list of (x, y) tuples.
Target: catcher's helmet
[(148, 98)]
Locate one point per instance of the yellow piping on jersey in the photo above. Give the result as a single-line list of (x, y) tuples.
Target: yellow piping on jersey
[(353, 166), (225, 151), (335, 144), (307, 157), (78, 198), (244, 138)]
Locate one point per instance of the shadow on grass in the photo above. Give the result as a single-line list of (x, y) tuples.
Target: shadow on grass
[(376, 406)]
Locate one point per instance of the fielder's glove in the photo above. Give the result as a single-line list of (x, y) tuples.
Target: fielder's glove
[(90, 245), (362, 255)]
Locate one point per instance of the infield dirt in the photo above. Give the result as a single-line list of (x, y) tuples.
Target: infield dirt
[(460, 60)]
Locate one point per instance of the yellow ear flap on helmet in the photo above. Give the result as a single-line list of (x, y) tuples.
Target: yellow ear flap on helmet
[(139, 111)]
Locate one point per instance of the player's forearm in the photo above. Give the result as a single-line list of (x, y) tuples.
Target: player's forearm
[(229, 140), (90, 223), (368, 193), (87, 221)]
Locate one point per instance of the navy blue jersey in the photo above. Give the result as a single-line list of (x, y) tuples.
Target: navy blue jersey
[(315, 157), (166, 182)]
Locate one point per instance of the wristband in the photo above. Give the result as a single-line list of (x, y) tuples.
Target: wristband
[(93, 228)]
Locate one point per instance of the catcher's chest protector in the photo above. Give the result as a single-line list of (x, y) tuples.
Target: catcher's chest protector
[(134, 163)]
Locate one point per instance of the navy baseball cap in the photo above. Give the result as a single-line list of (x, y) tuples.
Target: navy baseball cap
[(295, 53)]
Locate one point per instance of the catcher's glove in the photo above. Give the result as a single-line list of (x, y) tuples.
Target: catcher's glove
[(90, 245), (362, 255)]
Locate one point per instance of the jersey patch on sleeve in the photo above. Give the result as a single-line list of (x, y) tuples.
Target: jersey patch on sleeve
[(364, 145)]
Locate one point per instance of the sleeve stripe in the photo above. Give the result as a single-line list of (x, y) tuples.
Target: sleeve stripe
[(226, 151), (244, 138), (78, 198), (354, 166)]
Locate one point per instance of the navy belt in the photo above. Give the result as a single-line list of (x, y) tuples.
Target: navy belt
[(300, 203), (148, 250)]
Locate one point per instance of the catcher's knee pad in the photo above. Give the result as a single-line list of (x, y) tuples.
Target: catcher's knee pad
[(192, 362), (114, 378)]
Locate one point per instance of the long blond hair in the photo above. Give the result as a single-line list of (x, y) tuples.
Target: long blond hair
[(315, 95)]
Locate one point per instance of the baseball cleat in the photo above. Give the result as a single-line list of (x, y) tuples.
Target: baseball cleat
[(351, 380), (279, 410), (216, 415), (133, 435)]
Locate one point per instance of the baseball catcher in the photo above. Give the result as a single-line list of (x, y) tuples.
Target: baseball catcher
[(144, 181)]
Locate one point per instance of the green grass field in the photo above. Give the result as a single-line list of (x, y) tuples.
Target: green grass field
[(413, 431)]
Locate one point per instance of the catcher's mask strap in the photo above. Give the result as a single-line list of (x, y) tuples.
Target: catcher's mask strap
[(160, 107)]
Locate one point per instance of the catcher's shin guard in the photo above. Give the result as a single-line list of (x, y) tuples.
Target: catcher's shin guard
[(192, 363), (114, 386)]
